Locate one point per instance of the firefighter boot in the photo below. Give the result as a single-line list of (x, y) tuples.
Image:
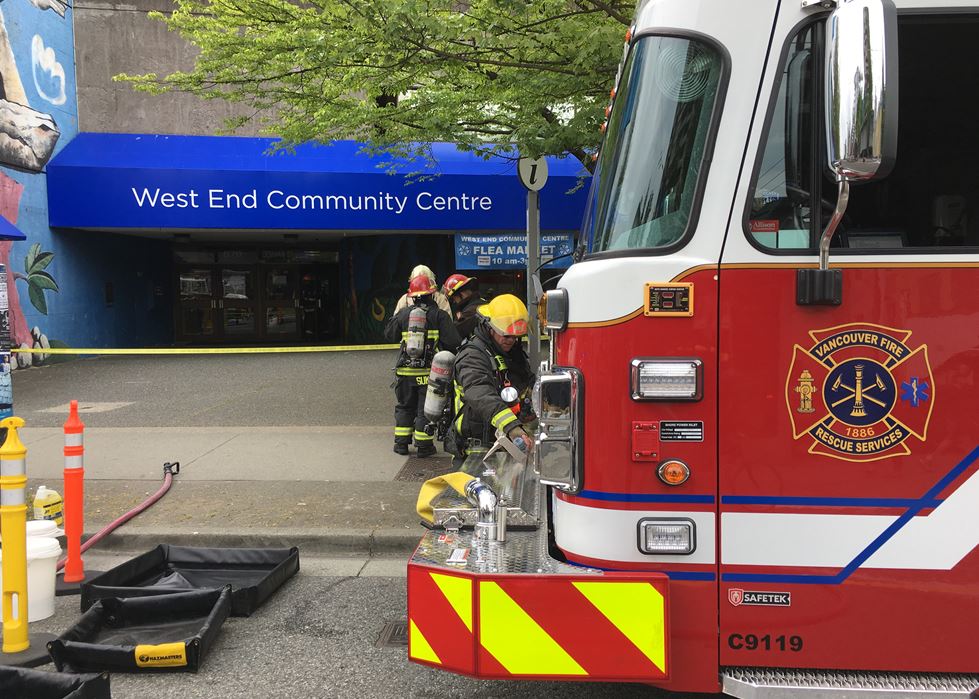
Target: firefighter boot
[(402, 438), (424, 437)]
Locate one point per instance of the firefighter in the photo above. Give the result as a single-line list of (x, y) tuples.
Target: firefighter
[(463, 295), (440, 298), (492, 359), (423, 329)]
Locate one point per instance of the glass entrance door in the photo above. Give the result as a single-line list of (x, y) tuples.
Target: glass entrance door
[(238, 302), (318, 303), (197, 306), (255, 296), (281, 303)]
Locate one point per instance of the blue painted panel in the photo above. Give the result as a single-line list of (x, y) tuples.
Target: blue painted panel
[(9, 231), (197, 182)]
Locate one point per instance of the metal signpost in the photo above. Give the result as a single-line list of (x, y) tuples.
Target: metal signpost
[(533, 176)]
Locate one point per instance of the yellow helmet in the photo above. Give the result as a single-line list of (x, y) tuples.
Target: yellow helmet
[(506, 314)]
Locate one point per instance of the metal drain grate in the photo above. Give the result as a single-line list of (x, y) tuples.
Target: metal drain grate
[(394, 634), (418, 470)]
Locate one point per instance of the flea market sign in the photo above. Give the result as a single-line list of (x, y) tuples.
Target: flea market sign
[(509, 250)]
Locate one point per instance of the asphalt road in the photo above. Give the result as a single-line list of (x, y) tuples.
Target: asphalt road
[(316, 639), (330, 388)]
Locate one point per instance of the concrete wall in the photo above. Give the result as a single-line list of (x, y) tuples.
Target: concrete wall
[(58, 280), (118, 37)]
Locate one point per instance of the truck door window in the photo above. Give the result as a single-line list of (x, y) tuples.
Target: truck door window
[(931, 198), (651, 171), (781, 214)]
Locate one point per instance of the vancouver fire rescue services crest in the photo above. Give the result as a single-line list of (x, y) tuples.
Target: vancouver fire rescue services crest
[(860, 392)]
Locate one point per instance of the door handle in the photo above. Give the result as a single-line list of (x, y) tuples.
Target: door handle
[(221, 304)]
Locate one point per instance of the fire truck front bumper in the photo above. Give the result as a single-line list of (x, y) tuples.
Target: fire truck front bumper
[(507, 610)]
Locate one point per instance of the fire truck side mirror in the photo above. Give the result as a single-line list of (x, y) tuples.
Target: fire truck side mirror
[(861, 89), (861, 120)]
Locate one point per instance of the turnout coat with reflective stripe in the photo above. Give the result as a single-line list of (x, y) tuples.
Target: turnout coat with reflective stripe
[(481, 372), (440, 334), (469, 317)]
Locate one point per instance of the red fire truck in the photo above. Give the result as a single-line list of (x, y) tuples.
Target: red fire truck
[(757, 468)]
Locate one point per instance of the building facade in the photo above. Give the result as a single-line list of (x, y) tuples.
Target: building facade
[(91, 275)]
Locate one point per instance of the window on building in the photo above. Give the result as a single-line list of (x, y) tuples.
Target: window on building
[(931, 197)]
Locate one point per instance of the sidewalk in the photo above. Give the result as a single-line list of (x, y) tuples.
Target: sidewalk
[(331, 489), (353, 518)]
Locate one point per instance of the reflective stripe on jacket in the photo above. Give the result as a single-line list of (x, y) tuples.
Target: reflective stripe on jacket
[(481, 372), (440, 333)]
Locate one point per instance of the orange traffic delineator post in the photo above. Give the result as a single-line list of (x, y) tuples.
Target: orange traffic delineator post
[(74, 572), (20, 647)]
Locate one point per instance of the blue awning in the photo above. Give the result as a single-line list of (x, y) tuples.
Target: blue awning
[(133, 181), (9, 231)]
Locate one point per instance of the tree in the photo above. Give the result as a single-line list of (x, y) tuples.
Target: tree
[(534, 74)]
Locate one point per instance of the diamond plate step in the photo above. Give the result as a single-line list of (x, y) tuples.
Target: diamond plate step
[(788, 683)]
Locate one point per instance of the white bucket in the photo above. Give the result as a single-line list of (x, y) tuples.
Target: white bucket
[(42, 563), (43, 527)]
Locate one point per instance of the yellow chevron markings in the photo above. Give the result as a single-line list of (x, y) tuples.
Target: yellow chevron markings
[(420, 647), (517, 642), (634, 608), (459, 593)]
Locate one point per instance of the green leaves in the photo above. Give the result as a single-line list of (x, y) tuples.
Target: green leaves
[(533, 74), (37, 279)]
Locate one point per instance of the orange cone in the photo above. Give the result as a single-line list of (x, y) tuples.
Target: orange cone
[(74, 494)]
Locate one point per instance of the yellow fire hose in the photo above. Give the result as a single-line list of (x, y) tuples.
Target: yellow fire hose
[(433, 487)]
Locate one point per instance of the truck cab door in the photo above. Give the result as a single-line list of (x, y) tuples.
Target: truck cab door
[(848, 437)]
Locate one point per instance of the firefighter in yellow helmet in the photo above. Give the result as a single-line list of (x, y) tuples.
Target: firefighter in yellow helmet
[(492, 360)]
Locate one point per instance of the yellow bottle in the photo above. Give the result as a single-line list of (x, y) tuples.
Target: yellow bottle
[(49, 505)]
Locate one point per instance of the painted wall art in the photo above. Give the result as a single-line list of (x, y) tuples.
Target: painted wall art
[(38, 115)]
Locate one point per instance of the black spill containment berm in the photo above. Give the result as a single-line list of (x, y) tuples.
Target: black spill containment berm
[(169, 633), (21, 683), (253, 574)]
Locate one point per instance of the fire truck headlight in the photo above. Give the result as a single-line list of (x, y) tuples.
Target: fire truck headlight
[(661, 378), (667, 536), (552, 310)]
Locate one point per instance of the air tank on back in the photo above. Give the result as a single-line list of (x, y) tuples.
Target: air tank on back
[(439, 384)]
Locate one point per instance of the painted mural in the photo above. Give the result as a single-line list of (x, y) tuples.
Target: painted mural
[(38, 114), (374, 275)]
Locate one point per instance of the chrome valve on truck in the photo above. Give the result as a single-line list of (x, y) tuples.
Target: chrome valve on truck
[(487, 506)]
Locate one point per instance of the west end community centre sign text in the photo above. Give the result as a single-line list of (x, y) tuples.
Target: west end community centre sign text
[(277, 199), (198, 199)]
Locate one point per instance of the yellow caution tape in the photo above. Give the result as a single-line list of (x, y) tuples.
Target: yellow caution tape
[(433, 486), (202, 350)]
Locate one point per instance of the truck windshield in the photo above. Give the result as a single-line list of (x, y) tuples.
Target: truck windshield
[(646, 184)]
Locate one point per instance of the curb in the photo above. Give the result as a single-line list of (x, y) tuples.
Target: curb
[(347, 542)]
